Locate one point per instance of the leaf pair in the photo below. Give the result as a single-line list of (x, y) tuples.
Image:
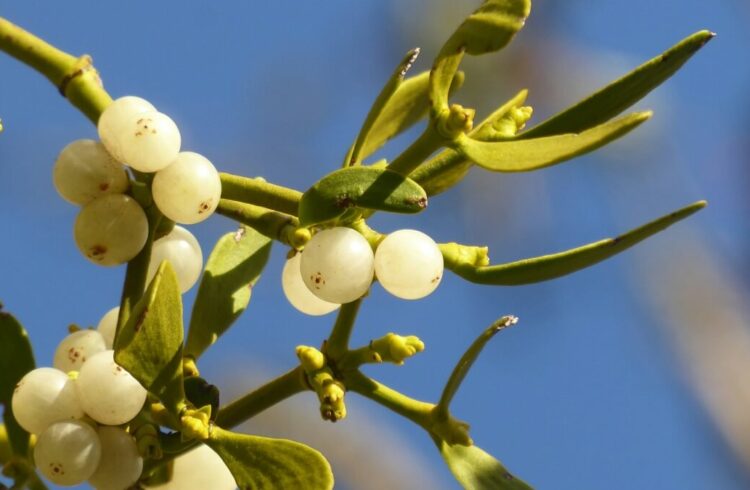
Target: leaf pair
[(580, 129)]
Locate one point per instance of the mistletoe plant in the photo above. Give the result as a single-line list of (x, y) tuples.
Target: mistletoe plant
[(125, 401)]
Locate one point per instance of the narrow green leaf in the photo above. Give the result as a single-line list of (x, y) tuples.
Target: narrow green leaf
[(467, 360), (16, 359), (363, 187), (232, 269), (475, 469), (386, 94), (532, 154), (149, 345), (407, 106), (262, 463), (449, 167), (490, 28), (611, 100), (555, 265)]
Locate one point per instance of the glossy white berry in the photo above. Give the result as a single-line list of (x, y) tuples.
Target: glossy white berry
[(108, 393), (189, 190), (183, 251), (67, 453), (111, 229), (84, 171), (74, 349), (408, 264), (120, 465), (113, 120), (297, 293), (108, 326), (149, 142), (337, 265), (45, 396), (199, 469)]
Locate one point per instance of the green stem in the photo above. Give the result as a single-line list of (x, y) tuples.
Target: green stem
[(419, 151), (417, 411), (353, 359), (259, 192), (274, 225), (75, 77), (260, 399), (338, 341)]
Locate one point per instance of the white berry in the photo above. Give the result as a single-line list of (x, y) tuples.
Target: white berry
[(183, 252), (84, 171), (297, 293), (149, 142), (67, 453), (111, 229), (187, 191), (45, 396), (337, 265), (74, 349), (108, 326), (199, 469), (120, 465), (408, 264), (108, 393), (113, 120)]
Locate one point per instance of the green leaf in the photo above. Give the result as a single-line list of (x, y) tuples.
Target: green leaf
[(232, 269), (386, 94), (16, 359), (623, 93), (260, 463), (149, 345), (533, 154), (477, 470), (467, 360), (363, 187), (407, 106), (449, 167), (555, 265), (201, 393), (489, 28)]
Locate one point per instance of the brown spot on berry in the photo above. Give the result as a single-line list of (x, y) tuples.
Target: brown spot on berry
[(204, 206), (97, 252), (74, 355), (318, 280), (103, 186), (435, 279), (57, 468)]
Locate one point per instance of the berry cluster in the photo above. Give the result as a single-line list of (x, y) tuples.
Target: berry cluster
[(338, 266), (112, 227), (78, 408)]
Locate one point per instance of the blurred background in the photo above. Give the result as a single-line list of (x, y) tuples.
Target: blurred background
[(632, 374)]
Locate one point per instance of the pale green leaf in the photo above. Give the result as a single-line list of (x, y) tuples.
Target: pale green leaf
[(262, 463), (532, 154), (16, 359), (408, 105), (475, 469), (233, 267), (149, 345), (449, 167), (622, 93), (362, 187), (489, 28), (555, 265), (467, 360)]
